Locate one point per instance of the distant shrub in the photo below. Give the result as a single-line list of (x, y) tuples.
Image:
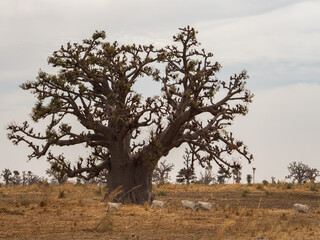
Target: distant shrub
[(245, 192), (43, 203), (98, 192), (44, 183), (260, 187), (265, 182), (161, 193), (314, 187), (288, 185), (61, 194), (78, 183)]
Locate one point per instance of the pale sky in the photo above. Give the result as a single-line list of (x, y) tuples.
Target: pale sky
[(276, 41)]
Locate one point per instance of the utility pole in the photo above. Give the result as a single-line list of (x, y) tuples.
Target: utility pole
[(254, 171)]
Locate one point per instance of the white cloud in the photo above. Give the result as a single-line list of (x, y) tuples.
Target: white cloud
[(288, 34)]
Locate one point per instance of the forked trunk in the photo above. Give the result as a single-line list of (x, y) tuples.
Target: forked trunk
[(130, 184)]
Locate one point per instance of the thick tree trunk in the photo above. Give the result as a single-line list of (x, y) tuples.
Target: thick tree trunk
[(134, 183), (132, 176)]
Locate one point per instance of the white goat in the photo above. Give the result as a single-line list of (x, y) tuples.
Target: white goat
[(157, 203), (189, 204), (113, 205), (206, 206), (297, 207)]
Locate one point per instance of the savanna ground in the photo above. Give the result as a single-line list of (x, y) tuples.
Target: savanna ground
[(242, 212)]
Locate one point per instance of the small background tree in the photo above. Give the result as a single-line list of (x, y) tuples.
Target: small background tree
[(24, 178), (207, 176), (222, 176), (58, 176), (187, 174), (32, 178), (236, 172), (6, 173), (15, 179), (161, 173), (302, 172), (249, 179)]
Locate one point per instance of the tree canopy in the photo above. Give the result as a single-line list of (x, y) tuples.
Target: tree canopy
[(302, 172), (94, 84)]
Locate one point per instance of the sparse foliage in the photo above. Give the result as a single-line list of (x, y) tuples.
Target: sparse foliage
[(187, 173), (302, 172), (58, 175), (222, 176), (186, 176), (94, 86), (236, 172), (102, 178), (207, 176), (32, 178), (15, 179), (24, 179), (161, 173), (6, 174)]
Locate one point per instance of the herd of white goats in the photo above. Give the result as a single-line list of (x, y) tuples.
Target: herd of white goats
[(194, 206)]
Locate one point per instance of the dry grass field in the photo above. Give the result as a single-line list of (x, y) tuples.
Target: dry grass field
[(242, 212)]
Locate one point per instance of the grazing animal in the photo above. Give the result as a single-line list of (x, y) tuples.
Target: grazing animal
[(113, 205), (206, 206), (189, 204), (157, 203), (297, 207)]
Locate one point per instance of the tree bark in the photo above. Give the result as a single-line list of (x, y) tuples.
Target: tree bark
[(129, 175), (133, 181)]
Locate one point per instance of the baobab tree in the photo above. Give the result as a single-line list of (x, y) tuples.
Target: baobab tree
[(94, 84), (302, 172)]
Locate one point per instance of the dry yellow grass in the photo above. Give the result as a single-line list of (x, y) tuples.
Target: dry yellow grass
[(76, 212)]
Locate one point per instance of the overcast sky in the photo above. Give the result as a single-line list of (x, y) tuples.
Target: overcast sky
[(276, 41)]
